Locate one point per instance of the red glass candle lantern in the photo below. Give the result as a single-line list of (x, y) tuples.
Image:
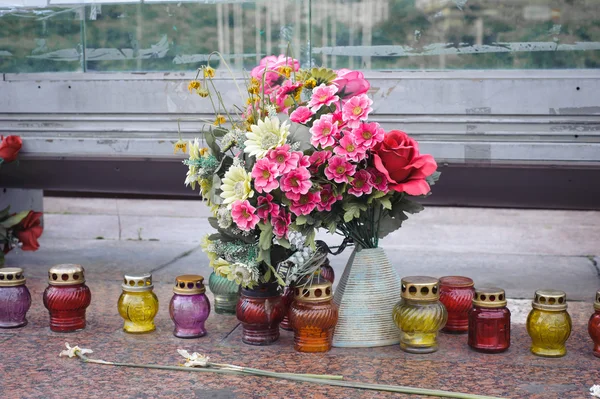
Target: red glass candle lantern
[(288, 298), (489, 321), (594, 326), (313, 316), (327, 271), (15, 299), (456, 293), (260, 310), (67, 298)]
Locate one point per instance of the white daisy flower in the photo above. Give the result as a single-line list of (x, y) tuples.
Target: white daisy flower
[(72, 352), (236, 185), (266, 135)]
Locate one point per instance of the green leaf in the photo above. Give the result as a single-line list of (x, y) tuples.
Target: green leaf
[(431, 180), (284, 243), (264, 256), (1, 258), (332, 227), (226, 162), (390, 224), (211, 142), (300, 220), (375, 195), (213, 223), (219, 131), (406, 205), (215, 191), (14, 219), (4, 212), (386, 203), (266, 236), (310, 239), (353, 210)]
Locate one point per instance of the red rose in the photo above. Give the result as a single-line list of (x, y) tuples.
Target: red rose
[(398, 158), (29, 230), (9, 148)]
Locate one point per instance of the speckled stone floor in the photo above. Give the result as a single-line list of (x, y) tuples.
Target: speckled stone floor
[(30, 366)]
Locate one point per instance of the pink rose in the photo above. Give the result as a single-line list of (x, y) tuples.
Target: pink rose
[(351, 83), (398, 158)]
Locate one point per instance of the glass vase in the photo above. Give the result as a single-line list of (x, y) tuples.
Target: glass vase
[(260, 310), (226, 293), (15, 299), (366, 294), (549, 324)]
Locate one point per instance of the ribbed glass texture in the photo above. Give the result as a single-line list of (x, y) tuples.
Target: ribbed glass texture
[(226, 293), (489, 329), (14, 304), (313, 324), (419, 323), (260, 311), (67, 305)]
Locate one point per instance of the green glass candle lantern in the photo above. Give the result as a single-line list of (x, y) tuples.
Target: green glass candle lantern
[(549, 323), (419, 315)]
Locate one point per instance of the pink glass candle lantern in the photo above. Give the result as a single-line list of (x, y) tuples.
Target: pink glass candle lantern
[(15, 299), (189, 307)]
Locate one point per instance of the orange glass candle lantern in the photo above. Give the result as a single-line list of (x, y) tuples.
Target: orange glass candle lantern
[(313, 316), (456, 293), (594, 326)]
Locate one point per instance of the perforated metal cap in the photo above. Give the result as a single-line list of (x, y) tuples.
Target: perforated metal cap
[(420, 288), (137, 282), (552, 300), (11, 277), (319, 290), (489, 297), (67, 274), (189, 284), (597, 303)]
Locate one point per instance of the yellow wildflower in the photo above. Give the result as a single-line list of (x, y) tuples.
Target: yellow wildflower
[(254, 89), (286, 70), (202, 92), (310, 83), (209, 72), (180, 145), (220, 120), (203, 151), (193, 85)]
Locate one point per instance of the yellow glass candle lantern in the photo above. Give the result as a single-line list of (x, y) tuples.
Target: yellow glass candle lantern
[(549, 323), (138, 304), (419, 315)]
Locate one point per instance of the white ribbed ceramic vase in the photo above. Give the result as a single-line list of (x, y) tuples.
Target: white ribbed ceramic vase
[(366, 295)]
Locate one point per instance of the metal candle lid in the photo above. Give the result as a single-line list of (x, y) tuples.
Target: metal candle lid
[(189, 284), (67, 274), (11, 277), (597, 303), (456, 281), (489, 297), (420, 288), (551, 300), (137, 282), (315, 291)]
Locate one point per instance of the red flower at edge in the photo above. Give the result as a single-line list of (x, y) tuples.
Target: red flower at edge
[(9, 147), (29, 230)]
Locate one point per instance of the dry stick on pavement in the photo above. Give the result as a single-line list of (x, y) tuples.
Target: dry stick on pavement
[(325, 380)]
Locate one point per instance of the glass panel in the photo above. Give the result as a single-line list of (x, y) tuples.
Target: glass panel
[(456, 34), (40, 40)]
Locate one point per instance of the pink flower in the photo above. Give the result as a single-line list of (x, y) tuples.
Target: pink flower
[(305, 203), (281, 222), (356, 109), (289, 87), (317, 159), (296, 182), (351, 83), (338, 169), (361, 183), (266, 207), (328, 198), (367, 135), (271, 67), (322, 95), (349, 149), (337, 117), (301, 115), (265, 173), (379, 180), (303, 160), (323, 131), (243, 215), (283, 158)]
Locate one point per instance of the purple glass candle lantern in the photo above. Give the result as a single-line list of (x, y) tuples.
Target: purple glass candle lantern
[(189, 307), (15, 299)]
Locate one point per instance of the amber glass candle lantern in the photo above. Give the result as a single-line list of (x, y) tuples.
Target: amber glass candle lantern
[(594, 326), (67, 298), (549, 324), (489, 321), (313, 316), (138, 304), (189, 307), (456, 293), (15, 299), (419, 315)]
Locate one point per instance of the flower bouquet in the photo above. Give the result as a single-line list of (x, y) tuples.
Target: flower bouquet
[(19, 230), (301, 155)]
